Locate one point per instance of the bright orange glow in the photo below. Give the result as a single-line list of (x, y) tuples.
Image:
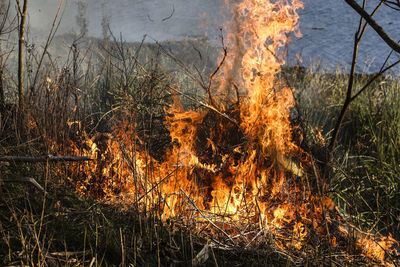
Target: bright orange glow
[(231, 177)]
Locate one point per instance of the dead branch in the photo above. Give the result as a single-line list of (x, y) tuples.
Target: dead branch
[(67, 254), (178, 92), (208, 89), (392, 4), (4, 19), (182, 65), (205, 217), (349, 94), (22, 12), (43, 159), (156, 185), (379, 30), (24, 180), (52, 33)]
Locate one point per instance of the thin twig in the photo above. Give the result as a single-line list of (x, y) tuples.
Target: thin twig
[(52, 33), (157, 184), (177, 91), (43, 159), (378, 29), (349, 98), (208, 89), (205, 217), (24, 180), (373, 79), (67, 254), (181, 64)]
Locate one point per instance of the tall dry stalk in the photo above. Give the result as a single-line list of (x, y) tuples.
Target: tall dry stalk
[(3, 14), (22, 12)]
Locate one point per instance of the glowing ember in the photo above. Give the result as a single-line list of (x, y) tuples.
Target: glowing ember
[(243, 175)]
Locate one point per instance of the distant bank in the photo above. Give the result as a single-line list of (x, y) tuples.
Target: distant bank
[(328, 27)]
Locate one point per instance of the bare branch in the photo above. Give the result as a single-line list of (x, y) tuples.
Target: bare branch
[(349, 98), (24, 180), (379, 74), (392, 4), (379, 30), (217, 69), (179, 92), (4, 14), (52, 33), (42, 159)]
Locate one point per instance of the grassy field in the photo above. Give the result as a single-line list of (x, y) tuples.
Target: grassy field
[(97, 81)]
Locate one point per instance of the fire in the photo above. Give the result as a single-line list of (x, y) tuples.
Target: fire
[(233, 175)]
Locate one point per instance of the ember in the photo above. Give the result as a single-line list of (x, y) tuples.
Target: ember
[(240, 178)]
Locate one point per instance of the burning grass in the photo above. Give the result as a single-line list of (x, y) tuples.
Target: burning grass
[(234, 169), (195, 196), (236, 174)]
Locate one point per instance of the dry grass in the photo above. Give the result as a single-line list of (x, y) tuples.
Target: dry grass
[(60, 228)]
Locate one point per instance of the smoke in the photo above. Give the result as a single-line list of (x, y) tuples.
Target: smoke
[(160, 19), (41, 15)]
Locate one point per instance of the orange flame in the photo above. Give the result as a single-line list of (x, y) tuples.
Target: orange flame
[(247, 171)]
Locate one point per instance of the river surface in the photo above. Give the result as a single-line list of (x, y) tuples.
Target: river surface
[(328, 27)]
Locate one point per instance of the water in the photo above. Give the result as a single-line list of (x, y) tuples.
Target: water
[(328, 27)]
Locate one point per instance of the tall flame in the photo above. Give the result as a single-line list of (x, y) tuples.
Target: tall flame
[(246, 171)]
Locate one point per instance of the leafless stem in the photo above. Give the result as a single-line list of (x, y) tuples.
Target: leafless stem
[(379, 30), (42, 159), (157, 184), (205, 217), (24, 180), (349, 98), (21, 43), (208, 89), (177, 91), (52, 32)]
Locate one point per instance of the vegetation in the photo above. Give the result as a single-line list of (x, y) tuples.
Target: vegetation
[(366, 177), (87, 92)]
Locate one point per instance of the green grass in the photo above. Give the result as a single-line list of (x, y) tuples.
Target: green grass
[(366, 179)]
